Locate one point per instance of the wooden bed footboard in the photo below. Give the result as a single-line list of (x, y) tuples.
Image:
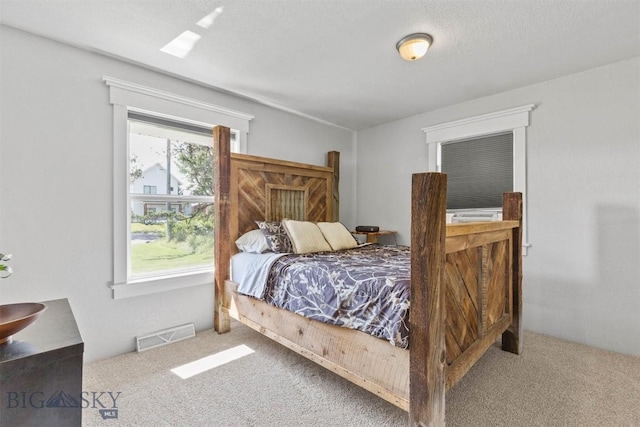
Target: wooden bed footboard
[(465, 282), (465, 292)]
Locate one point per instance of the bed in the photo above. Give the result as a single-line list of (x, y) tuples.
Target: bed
[(465, 280)]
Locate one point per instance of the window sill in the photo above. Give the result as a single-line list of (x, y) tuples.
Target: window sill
[(154, 285)]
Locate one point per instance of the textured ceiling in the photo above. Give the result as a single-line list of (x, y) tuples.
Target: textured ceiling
[(335, 60)]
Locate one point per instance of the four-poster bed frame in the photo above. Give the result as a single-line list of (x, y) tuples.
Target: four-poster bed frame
[(465, 280)]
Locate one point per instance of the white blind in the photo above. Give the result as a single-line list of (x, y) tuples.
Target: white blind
[(174, 129), (478, 171)]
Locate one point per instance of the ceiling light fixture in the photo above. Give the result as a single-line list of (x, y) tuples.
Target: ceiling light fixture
[(414, 46)]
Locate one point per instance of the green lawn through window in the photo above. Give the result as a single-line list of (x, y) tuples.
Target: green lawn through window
[(160, 254)]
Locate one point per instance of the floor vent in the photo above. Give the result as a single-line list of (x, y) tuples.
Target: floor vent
[(164, 337)]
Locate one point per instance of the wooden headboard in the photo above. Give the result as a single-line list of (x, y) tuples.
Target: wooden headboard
[(250, 188), (269, 189)]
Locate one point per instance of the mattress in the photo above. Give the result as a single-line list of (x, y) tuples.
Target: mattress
[(365, 288)]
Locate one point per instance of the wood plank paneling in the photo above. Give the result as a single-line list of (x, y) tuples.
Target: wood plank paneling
[(258, 199), (373, 364), (480, 227), (222, 220), (286, 201), (461, 278), (333, 161), (512, 210), (495, 281)]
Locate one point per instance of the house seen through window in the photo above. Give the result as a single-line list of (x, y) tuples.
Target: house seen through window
[(170, 196)]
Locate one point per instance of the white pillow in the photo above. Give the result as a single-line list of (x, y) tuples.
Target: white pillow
[(337, 235), (305, 236), (253, 242)]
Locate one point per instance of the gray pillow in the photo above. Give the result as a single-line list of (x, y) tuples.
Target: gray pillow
[(276, 235)]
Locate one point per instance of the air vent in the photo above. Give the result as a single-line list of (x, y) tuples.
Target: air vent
[(164, 337), (475, 216)]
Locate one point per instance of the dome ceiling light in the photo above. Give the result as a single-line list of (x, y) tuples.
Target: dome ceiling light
[(414, 46)]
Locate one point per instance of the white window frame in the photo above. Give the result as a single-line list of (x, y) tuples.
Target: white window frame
[(126, 96), (513, 120)]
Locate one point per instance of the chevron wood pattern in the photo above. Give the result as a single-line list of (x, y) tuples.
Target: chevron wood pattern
[(477, 294), (271, 191), (495, 282), (461, 301)]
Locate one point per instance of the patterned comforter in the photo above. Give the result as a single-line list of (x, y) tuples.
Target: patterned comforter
[(365, 288)]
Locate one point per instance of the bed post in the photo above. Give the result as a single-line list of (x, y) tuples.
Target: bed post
[(222, 207), (427, 314), (333, 161), (512, 210)]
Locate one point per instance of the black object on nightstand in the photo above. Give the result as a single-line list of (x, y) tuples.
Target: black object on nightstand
[(367, 228)]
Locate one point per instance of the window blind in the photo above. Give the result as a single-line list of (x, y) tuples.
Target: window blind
[(478, 171), (173, 129), (170, 124)]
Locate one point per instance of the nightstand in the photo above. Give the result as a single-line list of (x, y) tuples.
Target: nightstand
[(372, 236), (41, 371)]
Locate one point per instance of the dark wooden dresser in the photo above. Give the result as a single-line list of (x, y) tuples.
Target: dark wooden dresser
[(41, 371)]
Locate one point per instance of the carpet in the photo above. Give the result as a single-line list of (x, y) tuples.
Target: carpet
[(553, 383)]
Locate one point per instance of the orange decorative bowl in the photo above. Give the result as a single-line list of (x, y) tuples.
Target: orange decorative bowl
[(16, 317)]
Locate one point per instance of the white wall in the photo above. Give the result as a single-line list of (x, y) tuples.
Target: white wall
[(56, 184), (582, 274)]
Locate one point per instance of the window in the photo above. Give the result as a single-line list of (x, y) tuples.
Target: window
[(163, 150), (170, 197), (483, 157), (479, 170)]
